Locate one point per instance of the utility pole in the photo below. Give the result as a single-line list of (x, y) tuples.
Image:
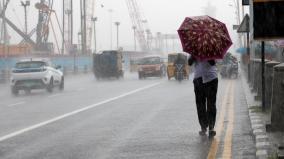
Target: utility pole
[(134, 31), (67, 42), (148, 32), (71, 23), (63, 26), (25, 5), (117, 34), (166, 38), (159, 41), (83, 26), (239, 20), (4, 33), (94, 19)]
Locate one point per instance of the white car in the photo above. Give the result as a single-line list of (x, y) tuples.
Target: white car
[(35, 74)]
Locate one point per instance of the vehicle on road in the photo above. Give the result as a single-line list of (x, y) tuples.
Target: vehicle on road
[(107, 64), (29, 74), (230, 71), (179, 72), (229, 67), (175, 70), (151, 66)]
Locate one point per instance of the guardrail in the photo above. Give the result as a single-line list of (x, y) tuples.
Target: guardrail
[(274, 92)]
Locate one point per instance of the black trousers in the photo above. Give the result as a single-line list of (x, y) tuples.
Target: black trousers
[(205, 96)]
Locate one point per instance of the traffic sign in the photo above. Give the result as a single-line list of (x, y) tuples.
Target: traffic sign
[(244, 27)]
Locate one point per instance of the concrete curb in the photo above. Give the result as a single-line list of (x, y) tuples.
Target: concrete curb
[(262, 144)]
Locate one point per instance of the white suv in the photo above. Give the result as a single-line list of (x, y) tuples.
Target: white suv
[(35, 74)]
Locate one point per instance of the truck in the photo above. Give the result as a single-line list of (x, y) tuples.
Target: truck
[(108, 64)]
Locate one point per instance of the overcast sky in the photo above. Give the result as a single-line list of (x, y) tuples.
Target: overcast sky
[(162, 15)]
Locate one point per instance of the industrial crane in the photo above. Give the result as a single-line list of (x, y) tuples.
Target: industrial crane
[(42, 30), (142, 33)]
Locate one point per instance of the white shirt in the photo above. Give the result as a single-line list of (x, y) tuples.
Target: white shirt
[(206, 71)]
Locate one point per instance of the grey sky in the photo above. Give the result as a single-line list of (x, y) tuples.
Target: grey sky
[(163, 16)]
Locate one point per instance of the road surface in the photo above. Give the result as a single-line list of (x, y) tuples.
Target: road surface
[(121, 119)]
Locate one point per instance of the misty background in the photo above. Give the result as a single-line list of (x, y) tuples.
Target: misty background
[(163, 16)]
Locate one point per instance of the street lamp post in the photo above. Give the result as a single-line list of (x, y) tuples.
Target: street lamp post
[(148, 32), (110, 13), (117, 33), (94, 19), (69, 38), (79, 48), (134, 31), (25, 5), (159, 41)]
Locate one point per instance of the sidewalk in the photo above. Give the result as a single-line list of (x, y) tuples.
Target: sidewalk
[(265, 143)]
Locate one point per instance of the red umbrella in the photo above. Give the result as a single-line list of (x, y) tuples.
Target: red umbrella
[(204, 37)]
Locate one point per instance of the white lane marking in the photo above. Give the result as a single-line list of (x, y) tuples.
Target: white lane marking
[(55, 95), (14, 134), (15, 104)]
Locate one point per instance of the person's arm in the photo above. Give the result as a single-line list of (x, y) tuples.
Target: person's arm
[(212, 62), (191, 60)]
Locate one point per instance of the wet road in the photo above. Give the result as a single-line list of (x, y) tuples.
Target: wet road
[(128, 118)]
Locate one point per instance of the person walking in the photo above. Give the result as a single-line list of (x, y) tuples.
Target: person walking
[(205, 88)]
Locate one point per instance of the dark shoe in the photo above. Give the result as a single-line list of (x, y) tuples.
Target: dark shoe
[(202, 132), (212, 134)]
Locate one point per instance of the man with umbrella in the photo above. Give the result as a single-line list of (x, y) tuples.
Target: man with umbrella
[(205, 88), (206, 39)]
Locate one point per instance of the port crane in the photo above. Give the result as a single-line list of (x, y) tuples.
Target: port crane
[(142, 32)]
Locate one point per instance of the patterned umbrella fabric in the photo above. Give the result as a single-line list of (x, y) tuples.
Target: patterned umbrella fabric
[(204, 37)]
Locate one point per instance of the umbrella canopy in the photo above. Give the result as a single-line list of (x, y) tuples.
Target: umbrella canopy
[(204, 37)]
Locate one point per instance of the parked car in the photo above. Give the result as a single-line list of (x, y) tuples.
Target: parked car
[(33, 73), (108, 64), (151, 66)]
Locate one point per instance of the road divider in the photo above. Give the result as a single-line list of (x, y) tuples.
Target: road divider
[(44, 123)]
